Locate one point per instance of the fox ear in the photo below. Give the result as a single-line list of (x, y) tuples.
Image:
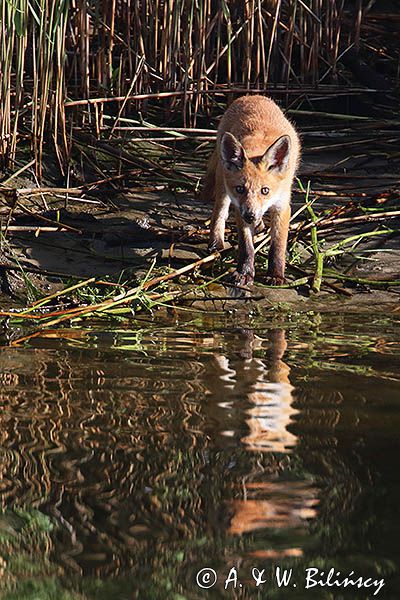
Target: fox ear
[(276, 158), (232, 152)]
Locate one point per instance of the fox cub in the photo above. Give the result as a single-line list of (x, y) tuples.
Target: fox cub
[(253, 166)]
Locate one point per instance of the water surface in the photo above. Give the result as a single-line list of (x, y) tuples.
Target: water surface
[(133, 458)]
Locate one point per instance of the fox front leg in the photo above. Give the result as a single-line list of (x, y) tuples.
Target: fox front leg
[(244, 274), (277, 251), (218, 219)]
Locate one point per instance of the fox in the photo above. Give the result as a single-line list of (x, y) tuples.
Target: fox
[(253, 166)]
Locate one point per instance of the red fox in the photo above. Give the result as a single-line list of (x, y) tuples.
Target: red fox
[(253, 166)]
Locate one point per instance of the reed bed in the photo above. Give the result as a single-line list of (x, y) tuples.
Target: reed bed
[(70, 63)]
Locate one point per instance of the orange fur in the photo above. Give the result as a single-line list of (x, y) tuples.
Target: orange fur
[(253, 166)]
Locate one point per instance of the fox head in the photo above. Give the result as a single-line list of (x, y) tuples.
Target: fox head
[(253, 183)]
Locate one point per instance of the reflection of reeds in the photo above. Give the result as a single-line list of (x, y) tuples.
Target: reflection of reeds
[(54, 50), (74, 446), (113, 457)]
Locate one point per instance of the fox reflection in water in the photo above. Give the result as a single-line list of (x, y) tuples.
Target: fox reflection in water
[(117, 455), (266, 386)]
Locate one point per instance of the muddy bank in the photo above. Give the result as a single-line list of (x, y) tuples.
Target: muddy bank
[(52, 239)]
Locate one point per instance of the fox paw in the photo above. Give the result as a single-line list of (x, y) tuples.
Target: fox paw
[(238, 282), (275, 280), (215, 245)]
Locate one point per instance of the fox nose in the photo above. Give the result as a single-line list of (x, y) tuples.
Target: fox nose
[(249, 216)]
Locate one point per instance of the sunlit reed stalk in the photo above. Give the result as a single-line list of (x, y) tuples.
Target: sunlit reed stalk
[(6, 54)]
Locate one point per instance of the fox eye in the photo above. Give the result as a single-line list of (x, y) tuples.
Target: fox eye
[(265, 191), (240, 189)]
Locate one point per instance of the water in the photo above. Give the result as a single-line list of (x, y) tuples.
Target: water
[(133, 458)]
